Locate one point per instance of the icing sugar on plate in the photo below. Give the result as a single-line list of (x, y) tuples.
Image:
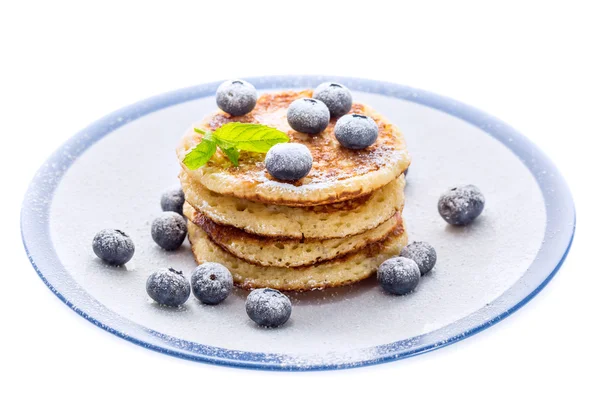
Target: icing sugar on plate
[(117, 184)]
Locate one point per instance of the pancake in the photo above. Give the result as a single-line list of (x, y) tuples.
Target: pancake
[(277, 252), (338, 174), (336, 220), (338, 272)]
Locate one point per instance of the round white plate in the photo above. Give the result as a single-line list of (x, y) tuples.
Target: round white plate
[(111, 175)]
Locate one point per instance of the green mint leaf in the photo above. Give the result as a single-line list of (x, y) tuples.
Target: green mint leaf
[(231, 138), (249, 137), (222, 143), (200, 154), (207, 135), (232, 153)]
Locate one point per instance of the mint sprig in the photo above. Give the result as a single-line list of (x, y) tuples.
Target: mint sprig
[(231, 138), (232, 153), (200, 154)]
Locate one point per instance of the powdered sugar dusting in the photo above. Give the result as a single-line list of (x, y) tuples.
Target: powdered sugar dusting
[(380, 162), (113, 245), (464, 195), (422, 253), (170, 223), (475, 264), (289, 161), (268, 307), (308, 116)]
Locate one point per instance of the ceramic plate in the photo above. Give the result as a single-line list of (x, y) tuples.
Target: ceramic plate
[(111, 175)]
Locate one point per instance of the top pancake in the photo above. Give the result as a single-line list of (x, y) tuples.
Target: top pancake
[(337, 174)]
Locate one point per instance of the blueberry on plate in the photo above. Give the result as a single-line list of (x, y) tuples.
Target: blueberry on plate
[(236, 97), (308, 116), (422, 253), (172, 200), (355, 131), (336, 97), (211, 283), (113, 246), (169, 230), (289, 161), (398, 275), (461, 205), (168, 287), (268, 307)]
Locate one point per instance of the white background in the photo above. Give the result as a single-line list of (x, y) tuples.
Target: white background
[(534, 65)]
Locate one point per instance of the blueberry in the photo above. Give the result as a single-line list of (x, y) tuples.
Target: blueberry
[(461, 205), (356, 131), (308, 116), (113, 246), (236, 97), (289, 161), (422, 253), (211, 283), (398, 275), (168, 287), (169, 230), (335, 96), (172, 200), (268, 307)]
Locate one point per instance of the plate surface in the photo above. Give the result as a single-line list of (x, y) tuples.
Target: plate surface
[(112, 174)]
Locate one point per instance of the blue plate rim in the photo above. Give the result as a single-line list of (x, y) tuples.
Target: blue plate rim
[(560, 227)]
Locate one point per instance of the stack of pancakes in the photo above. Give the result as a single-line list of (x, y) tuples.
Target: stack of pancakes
[(331, 228)]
